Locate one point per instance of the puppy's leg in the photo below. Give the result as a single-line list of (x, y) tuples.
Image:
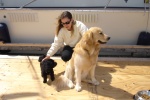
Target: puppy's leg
[(45, 78), (92, 75), (78, 79)]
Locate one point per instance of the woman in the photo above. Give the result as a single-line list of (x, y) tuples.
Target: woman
[(68, 34)]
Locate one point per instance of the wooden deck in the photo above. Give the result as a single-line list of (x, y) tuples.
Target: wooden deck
[(20, 79)]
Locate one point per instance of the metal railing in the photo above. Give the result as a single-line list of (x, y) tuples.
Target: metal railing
[(28, 3)]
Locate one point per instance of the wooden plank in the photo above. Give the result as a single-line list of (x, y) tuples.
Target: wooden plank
[(105, 48), (48, 45), (125, 49), (24, 46), (125, 46)]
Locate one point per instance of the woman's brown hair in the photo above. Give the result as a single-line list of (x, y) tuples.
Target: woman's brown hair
[(64, 15)]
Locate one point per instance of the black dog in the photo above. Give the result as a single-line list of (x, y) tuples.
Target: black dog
[(47, 68)]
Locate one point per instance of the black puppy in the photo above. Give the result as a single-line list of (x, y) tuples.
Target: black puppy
[(47, 68)]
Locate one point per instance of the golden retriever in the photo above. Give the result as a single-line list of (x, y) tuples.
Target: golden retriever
[(84, 60)]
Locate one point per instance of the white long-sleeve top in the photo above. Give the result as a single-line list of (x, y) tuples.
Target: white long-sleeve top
[(65, 38)]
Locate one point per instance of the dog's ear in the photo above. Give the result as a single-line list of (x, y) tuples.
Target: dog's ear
[(87, 38), (41, 58), (51, 63), (90, 37), (55, 64)]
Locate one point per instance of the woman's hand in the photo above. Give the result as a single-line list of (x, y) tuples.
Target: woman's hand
[(47, 57)]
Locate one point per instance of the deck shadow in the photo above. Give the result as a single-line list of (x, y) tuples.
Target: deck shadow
[(19, 95), (105, 89)]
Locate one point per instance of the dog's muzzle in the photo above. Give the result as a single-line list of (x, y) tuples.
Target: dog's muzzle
[(99, 41)]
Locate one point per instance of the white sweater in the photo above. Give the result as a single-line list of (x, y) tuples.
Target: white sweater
[(64, 38)]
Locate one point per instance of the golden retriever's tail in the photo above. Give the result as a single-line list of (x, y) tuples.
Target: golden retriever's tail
[(61, 82)]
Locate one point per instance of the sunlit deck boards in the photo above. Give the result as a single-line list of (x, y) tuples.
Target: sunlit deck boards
[(20, 79)]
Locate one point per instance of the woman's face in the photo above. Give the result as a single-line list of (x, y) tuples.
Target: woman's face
[(67, 23)]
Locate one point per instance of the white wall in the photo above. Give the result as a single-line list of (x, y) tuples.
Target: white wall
[(38, 26)]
